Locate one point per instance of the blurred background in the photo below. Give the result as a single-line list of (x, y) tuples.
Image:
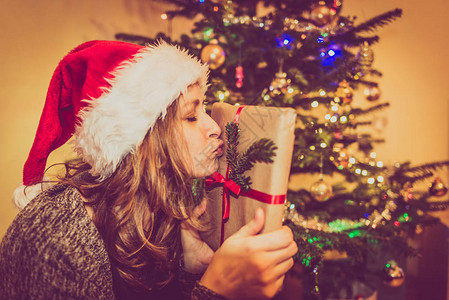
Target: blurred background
[(411, 55)]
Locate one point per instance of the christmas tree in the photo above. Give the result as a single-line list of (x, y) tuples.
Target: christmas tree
[(306, 55)]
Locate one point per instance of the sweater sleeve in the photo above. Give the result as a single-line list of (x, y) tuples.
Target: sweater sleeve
[(193, 289), (52, 251)]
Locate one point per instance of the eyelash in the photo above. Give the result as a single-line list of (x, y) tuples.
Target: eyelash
[(192, 119)]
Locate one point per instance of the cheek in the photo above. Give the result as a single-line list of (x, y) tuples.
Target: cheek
[(192, 141), (199, 153)]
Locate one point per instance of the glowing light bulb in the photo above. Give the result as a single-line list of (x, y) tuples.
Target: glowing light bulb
[(314, 104), (371, 180), (380, 164), (364, 172), (380, 178), (164, 16)]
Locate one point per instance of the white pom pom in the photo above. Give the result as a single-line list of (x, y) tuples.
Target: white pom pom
[(24, 194)]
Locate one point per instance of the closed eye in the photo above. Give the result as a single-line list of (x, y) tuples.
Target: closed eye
[(192, 119)]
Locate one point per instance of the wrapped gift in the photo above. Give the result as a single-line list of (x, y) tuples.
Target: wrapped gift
[(227, 212)]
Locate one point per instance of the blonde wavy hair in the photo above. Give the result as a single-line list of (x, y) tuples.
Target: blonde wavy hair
[(139, 209)]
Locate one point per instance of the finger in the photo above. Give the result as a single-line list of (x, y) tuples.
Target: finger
[(197, 212), (254, 226), (281, 268), (279, 261), (279, 283), (273, 240), (200, 209), (278, 256)]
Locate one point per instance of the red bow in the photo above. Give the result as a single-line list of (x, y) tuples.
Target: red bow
[(228, 185)]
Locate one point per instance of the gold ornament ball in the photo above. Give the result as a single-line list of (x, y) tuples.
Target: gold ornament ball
[(395, 276), (322, 14), (365, 56), (438, 188), (321, 191), (372, 93), (213, 54), (345, 92)]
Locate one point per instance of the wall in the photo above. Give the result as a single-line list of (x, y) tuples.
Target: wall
[(36, 34)]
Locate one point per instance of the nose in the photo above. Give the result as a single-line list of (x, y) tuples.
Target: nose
[(214, 131)]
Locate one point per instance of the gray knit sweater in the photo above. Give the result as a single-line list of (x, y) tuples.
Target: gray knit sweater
[(53, 250)]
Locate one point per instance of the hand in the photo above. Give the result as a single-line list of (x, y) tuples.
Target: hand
[(251, 266), (197, 254)]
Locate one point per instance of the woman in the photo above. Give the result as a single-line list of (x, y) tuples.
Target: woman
[(123, 223)]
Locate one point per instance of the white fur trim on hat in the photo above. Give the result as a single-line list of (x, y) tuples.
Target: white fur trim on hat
[(116, 123), (23, 194)]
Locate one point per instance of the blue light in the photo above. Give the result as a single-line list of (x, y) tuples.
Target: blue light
[(285, 41), (320, 39), (201, 1), (331, 54), (367, 215)]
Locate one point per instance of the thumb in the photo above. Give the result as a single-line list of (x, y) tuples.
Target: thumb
[(254, 226)]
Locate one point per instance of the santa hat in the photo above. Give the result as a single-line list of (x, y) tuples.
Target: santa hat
[(108, 94)]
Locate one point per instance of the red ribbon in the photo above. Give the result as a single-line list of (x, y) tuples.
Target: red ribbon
[(230, 185)]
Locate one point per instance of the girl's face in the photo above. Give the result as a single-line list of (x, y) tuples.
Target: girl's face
[(201, 134)]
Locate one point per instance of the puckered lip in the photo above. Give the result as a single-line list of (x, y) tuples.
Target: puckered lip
[(219, 150)]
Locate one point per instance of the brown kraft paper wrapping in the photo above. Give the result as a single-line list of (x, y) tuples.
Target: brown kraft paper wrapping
[(255, 122)]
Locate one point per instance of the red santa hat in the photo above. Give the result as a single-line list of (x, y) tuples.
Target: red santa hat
[(108, 94)]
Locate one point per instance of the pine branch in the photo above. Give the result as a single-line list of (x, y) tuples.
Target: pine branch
[(412, 179), (379, 21), (261, 150), (413, 174), (354, 40), (439, 206), (359, 111), (133, 38), (357, 124), (429, 166)]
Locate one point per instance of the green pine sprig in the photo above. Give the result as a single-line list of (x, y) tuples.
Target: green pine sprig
[(262, 150)]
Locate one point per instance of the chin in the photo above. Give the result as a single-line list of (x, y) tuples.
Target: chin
[(203, 171)]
